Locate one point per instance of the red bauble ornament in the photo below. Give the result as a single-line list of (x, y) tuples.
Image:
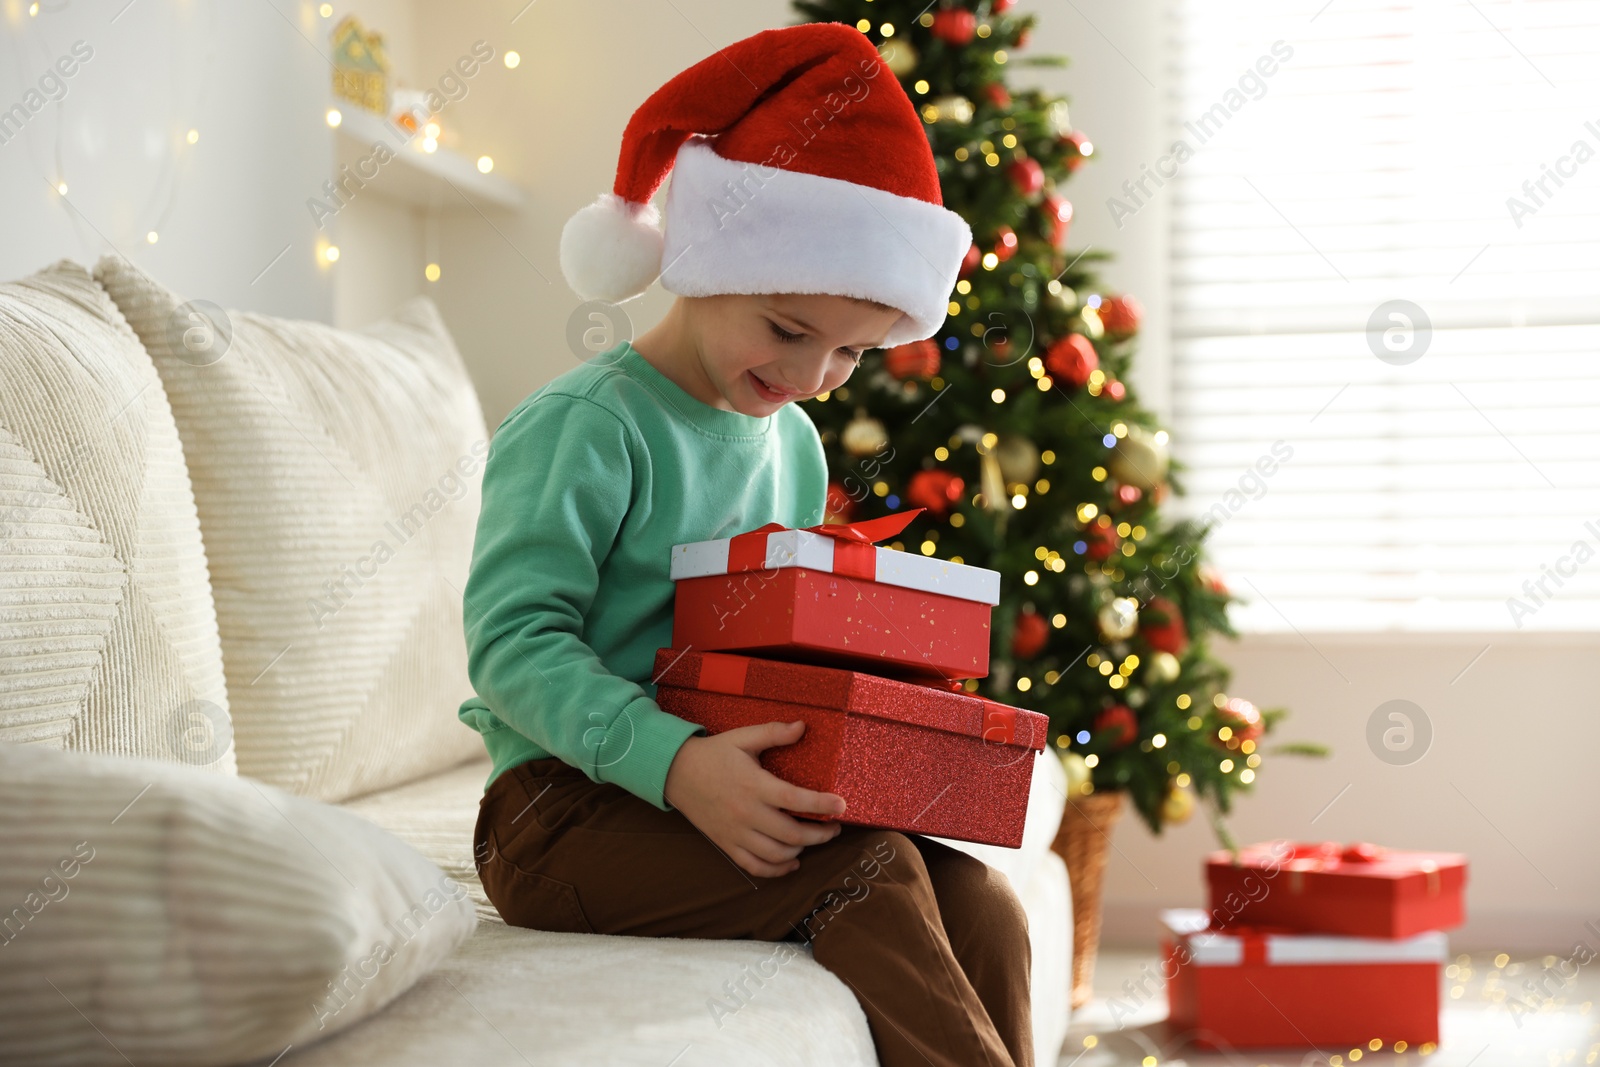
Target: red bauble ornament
[(1211, 578), (1057, 217), (839, 507), (1001, 5), (1120, 721), (1026, 175), (1121, 316), (1022, 38), (1071, 360), (936, 490), (1115, 389), (1030, 635), (1078, 147), (970, 260), (1161, 625), (918, 359), (955, 24), (1005, 243), (1243, 717), (1100, 542), (997, 94)]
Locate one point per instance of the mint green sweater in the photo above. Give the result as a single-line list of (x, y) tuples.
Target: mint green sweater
[(589, 483)]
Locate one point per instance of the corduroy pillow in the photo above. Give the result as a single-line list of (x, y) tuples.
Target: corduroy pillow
[(337, 475), (158, 914), (108, 631)]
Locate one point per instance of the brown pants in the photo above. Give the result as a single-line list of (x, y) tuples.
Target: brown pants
[(933, 942)]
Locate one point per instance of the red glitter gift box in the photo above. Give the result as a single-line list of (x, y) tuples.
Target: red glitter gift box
[(1361, 890), (1260, 987), (827, 594), (903, 756)]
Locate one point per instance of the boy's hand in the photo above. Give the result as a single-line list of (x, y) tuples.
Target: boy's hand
[(720, 786)]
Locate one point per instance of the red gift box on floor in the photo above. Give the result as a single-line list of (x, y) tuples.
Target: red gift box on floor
[(904, 756), (1360, 890), (1253, 987), (827, 594)]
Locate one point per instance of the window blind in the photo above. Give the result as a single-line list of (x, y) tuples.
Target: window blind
[(1367, 465)]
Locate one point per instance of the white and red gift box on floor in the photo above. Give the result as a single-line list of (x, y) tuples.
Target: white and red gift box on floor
[(829, 595), (1259, 987), (1359, 889)]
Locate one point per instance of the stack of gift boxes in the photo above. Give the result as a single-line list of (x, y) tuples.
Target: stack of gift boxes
[(1315, 946), (868, 645)]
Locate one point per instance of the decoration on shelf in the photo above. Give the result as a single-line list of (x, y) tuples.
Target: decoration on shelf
[(408, 109), (1141, 458), (918, 359), (360, 66)]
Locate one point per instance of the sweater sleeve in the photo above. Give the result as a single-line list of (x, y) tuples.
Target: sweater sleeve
[(556, 486)]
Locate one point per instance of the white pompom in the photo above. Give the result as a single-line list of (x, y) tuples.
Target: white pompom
[(611, 252)]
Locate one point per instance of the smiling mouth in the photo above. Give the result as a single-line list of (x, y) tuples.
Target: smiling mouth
[(768, 392)]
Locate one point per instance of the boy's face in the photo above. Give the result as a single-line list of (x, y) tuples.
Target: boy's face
[(745, 353)]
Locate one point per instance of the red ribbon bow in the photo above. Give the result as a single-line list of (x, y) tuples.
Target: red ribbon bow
[(853, 554), (1331, 853)]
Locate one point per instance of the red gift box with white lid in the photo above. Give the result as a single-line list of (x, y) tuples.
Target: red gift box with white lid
[(1360, 890), (827, 594), (904, 756), (1264, 987)]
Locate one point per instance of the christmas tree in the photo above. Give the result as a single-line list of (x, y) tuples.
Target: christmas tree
[(1016, 431)]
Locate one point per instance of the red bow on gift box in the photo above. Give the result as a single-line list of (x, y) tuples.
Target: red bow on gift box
[(854, 553), (1326, 854)]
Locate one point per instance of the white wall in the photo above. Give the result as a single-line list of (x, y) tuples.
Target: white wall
[(225, 207)]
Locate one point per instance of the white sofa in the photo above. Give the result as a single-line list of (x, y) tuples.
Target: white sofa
[(505, 995)]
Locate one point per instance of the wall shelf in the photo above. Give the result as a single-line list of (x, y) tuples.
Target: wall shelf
[(413, 176)]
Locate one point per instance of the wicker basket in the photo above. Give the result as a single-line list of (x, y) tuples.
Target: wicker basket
[(1084, 841)]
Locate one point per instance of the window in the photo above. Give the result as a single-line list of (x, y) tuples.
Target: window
[(1386, 310)]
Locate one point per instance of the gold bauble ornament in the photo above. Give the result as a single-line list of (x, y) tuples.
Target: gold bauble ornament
[(1019, 458), (864, 436), (1118, 618), (899, 56), (950, 109), (1066, 299), (1139, 459), (1163, 667), (1078, 774), (1177, 806)]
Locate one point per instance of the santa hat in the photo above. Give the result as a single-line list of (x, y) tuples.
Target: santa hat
[(799, 165)]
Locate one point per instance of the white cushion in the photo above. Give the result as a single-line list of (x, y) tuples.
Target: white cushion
[(514, 996), (108, 631), (337, 475), (159, 914), (1047, 801)]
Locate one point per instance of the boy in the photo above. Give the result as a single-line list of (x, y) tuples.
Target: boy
[(604, 813)]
